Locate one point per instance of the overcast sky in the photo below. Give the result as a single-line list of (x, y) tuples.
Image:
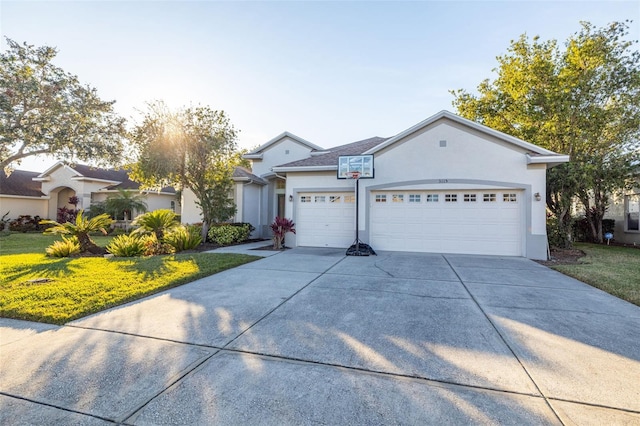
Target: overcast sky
[(329, 72)]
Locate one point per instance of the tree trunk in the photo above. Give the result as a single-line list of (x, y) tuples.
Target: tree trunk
[(205, 231)]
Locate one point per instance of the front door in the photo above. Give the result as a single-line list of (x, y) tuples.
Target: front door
[(281, 205)]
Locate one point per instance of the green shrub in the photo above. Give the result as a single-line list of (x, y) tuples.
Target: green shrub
[(184, 238), (154, 247), (65, 248), (126, 246), (26, 223), (225, 234)]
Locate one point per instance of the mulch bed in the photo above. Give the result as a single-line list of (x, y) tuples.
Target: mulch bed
[(563, 257)]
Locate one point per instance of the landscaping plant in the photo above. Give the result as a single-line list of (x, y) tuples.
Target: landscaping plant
[(81, 229), (126, 246), (184, 238), (65, 248), (157, 222), (280, 227), (225, 234)]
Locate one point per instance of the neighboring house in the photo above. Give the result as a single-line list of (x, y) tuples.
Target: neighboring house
[(625, 210), (42, 194), (445, 185)]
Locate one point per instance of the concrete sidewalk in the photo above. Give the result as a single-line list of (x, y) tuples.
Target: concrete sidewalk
[(311, 336)]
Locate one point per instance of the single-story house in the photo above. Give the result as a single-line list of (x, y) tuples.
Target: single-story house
[(42, 194), (446, 185)]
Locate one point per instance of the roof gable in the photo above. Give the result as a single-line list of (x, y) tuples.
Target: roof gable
[(446, 115), (277, 139)]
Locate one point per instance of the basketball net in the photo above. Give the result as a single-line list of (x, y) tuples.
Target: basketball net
[(353, 175)]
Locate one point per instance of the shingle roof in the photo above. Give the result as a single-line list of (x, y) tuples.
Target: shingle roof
[(118, 175), (20, 182), (241, 172), (331, 158)]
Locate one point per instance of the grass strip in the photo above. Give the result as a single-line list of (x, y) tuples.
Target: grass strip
[(39, 288), (615, 270)]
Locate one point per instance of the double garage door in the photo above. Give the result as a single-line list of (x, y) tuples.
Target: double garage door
[(455, 221)]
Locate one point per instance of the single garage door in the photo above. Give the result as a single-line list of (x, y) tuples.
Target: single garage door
[(325, 219), (456, 221)]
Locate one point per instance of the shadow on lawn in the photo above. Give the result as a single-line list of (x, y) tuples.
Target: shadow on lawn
[(50, 270)]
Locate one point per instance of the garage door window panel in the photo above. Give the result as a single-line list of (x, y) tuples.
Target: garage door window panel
[(432, 198), (510, 198)]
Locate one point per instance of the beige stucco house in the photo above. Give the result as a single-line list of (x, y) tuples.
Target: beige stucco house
[(42, 194)]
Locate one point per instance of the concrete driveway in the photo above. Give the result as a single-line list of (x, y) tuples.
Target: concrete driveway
[(310, 336)]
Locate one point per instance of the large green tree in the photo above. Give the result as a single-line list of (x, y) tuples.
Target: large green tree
[(192, 148), (582, 100), (45, 110)]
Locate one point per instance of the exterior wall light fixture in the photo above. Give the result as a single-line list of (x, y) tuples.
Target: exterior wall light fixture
[(537, 196), (291, 197)]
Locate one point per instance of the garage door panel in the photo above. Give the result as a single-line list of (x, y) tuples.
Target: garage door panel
[(476, 227), (323, 223)]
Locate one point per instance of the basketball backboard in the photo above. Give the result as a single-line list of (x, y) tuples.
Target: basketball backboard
[(355, 163)]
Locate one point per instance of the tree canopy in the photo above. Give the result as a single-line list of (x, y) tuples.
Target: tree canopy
[(192, 148), (45, 110), (582, 100)]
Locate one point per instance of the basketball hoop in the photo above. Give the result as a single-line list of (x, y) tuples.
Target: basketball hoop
[(353, 175)]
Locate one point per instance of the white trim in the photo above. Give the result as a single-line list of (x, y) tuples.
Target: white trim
[(51, 169), (42, 197), (456, 118), (253, 156), (305, 169), (83, 178), (278, 138), (549, 160)]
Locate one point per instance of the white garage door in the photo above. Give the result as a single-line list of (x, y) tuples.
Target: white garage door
[(325, 219), (473, 221)]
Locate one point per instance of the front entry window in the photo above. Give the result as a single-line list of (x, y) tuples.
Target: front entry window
[(632, 213), (280, 205)]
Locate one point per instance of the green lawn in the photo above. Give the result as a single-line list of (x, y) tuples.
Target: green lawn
[(39, 288), (615, 270)]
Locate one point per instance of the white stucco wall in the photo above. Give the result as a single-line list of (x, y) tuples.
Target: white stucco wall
[(190, 210), (470, 160), (17, 206), (276, 155), (252, 208)]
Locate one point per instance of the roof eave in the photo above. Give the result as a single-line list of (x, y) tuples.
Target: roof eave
[(252, 156), (112, 182), (286, 169), (549, 160)]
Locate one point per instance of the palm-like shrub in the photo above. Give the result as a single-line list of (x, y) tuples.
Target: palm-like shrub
[(280, 227), (183, 238), (126, 246), (80, 229), (124, 203), (158, 222), (65, 248)]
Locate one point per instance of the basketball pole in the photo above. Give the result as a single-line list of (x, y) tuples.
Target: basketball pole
[(357, 214)]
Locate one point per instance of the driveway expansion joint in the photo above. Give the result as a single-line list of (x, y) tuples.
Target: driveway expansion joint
[(505, 341), (58, 407), (427, 380)]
